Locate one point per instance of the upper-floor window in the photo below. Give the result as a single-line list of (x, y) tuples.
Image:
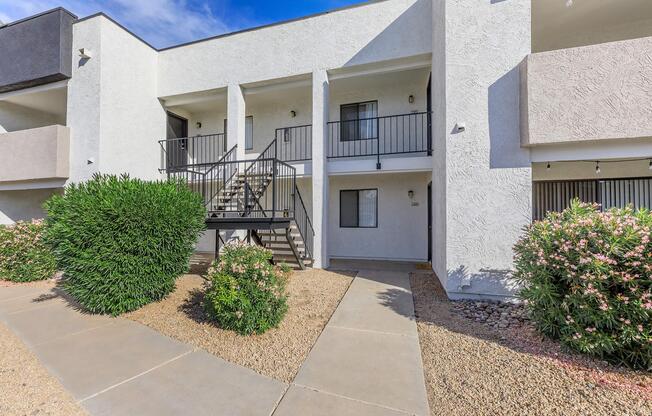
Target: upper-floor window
[(359, 121), (249, 132)]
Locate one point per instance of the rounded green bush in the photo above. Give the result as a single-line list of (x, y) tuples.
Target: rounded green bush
[(246, 292), (587, 281), (122, 242), (24, 257)]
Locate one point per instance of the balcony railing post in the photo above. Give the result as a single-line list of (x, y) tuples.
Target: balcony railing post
[(378, 166), (429, 133), (274, 188)]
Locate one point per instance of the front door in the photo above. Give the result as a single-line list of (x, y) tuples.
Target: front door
[(177, 145), (430, 222)]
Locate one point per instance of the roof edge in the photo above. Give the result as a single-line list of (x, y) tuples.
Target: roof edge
[(237, 32), (34, 16)]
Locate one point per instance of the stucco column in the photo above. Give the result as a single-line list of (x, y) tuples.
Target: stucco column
[(320, 92), (235, 114), (481, 175)]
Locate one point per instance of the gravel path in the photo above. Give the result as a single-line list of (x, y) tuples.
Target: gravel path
[(313, 297), (26, 387), (473, 369)]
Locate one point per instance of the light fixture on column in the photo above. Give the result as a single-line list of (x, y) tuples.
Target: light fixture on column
[(293, 113), (410, 194), (548, 166), (411, 99), (198, 124), (650, 165), (597, 168)]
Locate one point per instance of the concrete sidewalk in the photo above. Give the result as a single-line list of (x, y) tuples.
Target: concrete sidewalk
[(367, 361), (118, 367)]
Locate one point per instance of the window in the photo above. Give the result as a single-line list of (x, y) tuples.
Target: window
[(359, 208), (249, 132), (359, 121)]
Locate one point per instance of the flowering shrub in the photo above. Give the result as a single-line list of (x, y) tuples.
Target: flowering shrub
[(246, 293), (23, 255), (587, 280)]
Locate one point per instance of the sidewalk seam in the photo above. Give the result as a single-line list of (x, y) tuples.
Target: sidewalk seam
[(137, 375)]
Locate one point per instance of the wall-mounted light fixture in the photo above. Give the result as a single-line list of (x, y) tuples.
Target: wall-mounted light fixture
[(411, 99), (597, 168), (85, 53), (293, 113), (411, 194), (198, 124), (460, 127)]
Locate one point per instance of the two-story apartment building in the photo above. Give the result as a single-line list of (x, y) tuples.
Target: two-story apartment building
[(412, 130)]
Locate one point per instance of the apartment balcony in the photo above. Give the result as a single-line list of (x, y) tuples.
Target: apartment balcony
[(36, 50), (374, 137), (587, 94), (38, 154)]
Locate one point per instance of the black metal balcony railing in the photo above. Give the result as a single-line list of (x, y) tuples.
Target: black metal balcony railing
[(197, 151), (387, 135), (294, 143)]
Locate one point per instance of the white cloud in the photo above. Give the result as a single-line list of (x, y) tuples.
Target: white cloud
[(160, 22)]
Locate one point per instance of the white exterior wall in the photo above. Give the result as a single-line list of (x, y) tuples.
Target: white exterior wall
[(374, 32), (402, 232), (114, 114), (485, 198), (24, 205), (14, 117)]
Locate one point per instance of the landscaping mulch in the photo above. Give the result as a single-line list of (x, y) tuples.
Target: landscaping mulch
[(313, 296), (473, 368), (26, 387)]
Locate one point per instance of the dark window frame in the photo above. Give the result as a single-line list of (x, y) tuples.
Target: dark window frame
[(343, 122), (358, 207)]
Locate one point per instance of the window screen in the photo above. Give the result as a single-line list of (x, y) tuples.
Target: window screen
[(359, 208)]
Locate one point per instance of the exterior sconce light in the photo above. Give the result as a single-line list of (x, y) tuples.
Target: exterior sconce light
[(411, 99), (597, 168), (460, 127), (650, 165), (410, 194), (85, 53), (198, 124), (293, 113), (548, 166)]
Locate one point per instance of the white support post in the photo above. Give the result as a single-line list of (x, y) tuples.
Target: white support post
[(320, 188), (235, 129)]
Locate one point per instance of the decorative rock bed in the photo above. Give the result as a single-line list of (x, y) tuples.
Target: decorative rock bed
[(498, 315)]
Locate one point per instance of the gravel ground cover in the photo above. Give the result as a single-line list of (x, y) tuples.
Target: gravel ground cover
[(313, 297), (499, 315), (26, 387), (474, 369)]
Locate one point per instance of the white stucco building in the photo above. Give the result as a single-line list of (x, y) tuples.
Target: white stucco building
[(410, 130)]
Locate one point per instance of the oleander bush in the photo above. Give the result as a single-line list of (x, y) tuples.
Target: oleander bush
[(122, 242), (24, 257), (246, 292), (587, 281)]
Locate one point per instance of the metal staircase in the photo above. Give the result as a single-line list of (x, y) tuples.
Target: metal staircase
[(259, 196)]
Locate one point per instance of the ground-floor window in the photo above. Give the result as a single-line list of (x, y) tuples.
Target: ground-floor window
[(557, 195), (359, 208)]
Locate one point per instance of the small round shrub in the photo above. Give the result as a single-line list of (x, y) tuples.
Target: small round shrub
[(122, 242), (24, 257), (246, 292), (587, 281)]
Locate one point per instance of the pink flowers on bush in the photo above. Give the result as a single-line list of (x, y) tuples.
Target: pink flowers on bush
[(587, 279), (24, 257)]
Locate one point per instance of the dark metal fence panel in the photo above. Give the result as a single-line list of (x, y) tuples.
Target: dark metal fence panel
[(294, 143), (196, 151), (555, 196), (388, 135)]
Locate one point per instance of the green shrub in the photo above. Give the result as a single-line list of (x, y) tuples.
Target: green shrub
[(24, 257), (246, 293), (587, 280), (122, 242)]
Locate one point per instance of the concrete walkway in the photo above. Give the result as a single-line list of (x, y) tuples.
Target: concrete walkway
[(366, 362)]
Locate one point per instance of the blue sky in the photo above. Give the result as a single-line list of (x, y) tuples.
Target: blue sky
[(169, 22)]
